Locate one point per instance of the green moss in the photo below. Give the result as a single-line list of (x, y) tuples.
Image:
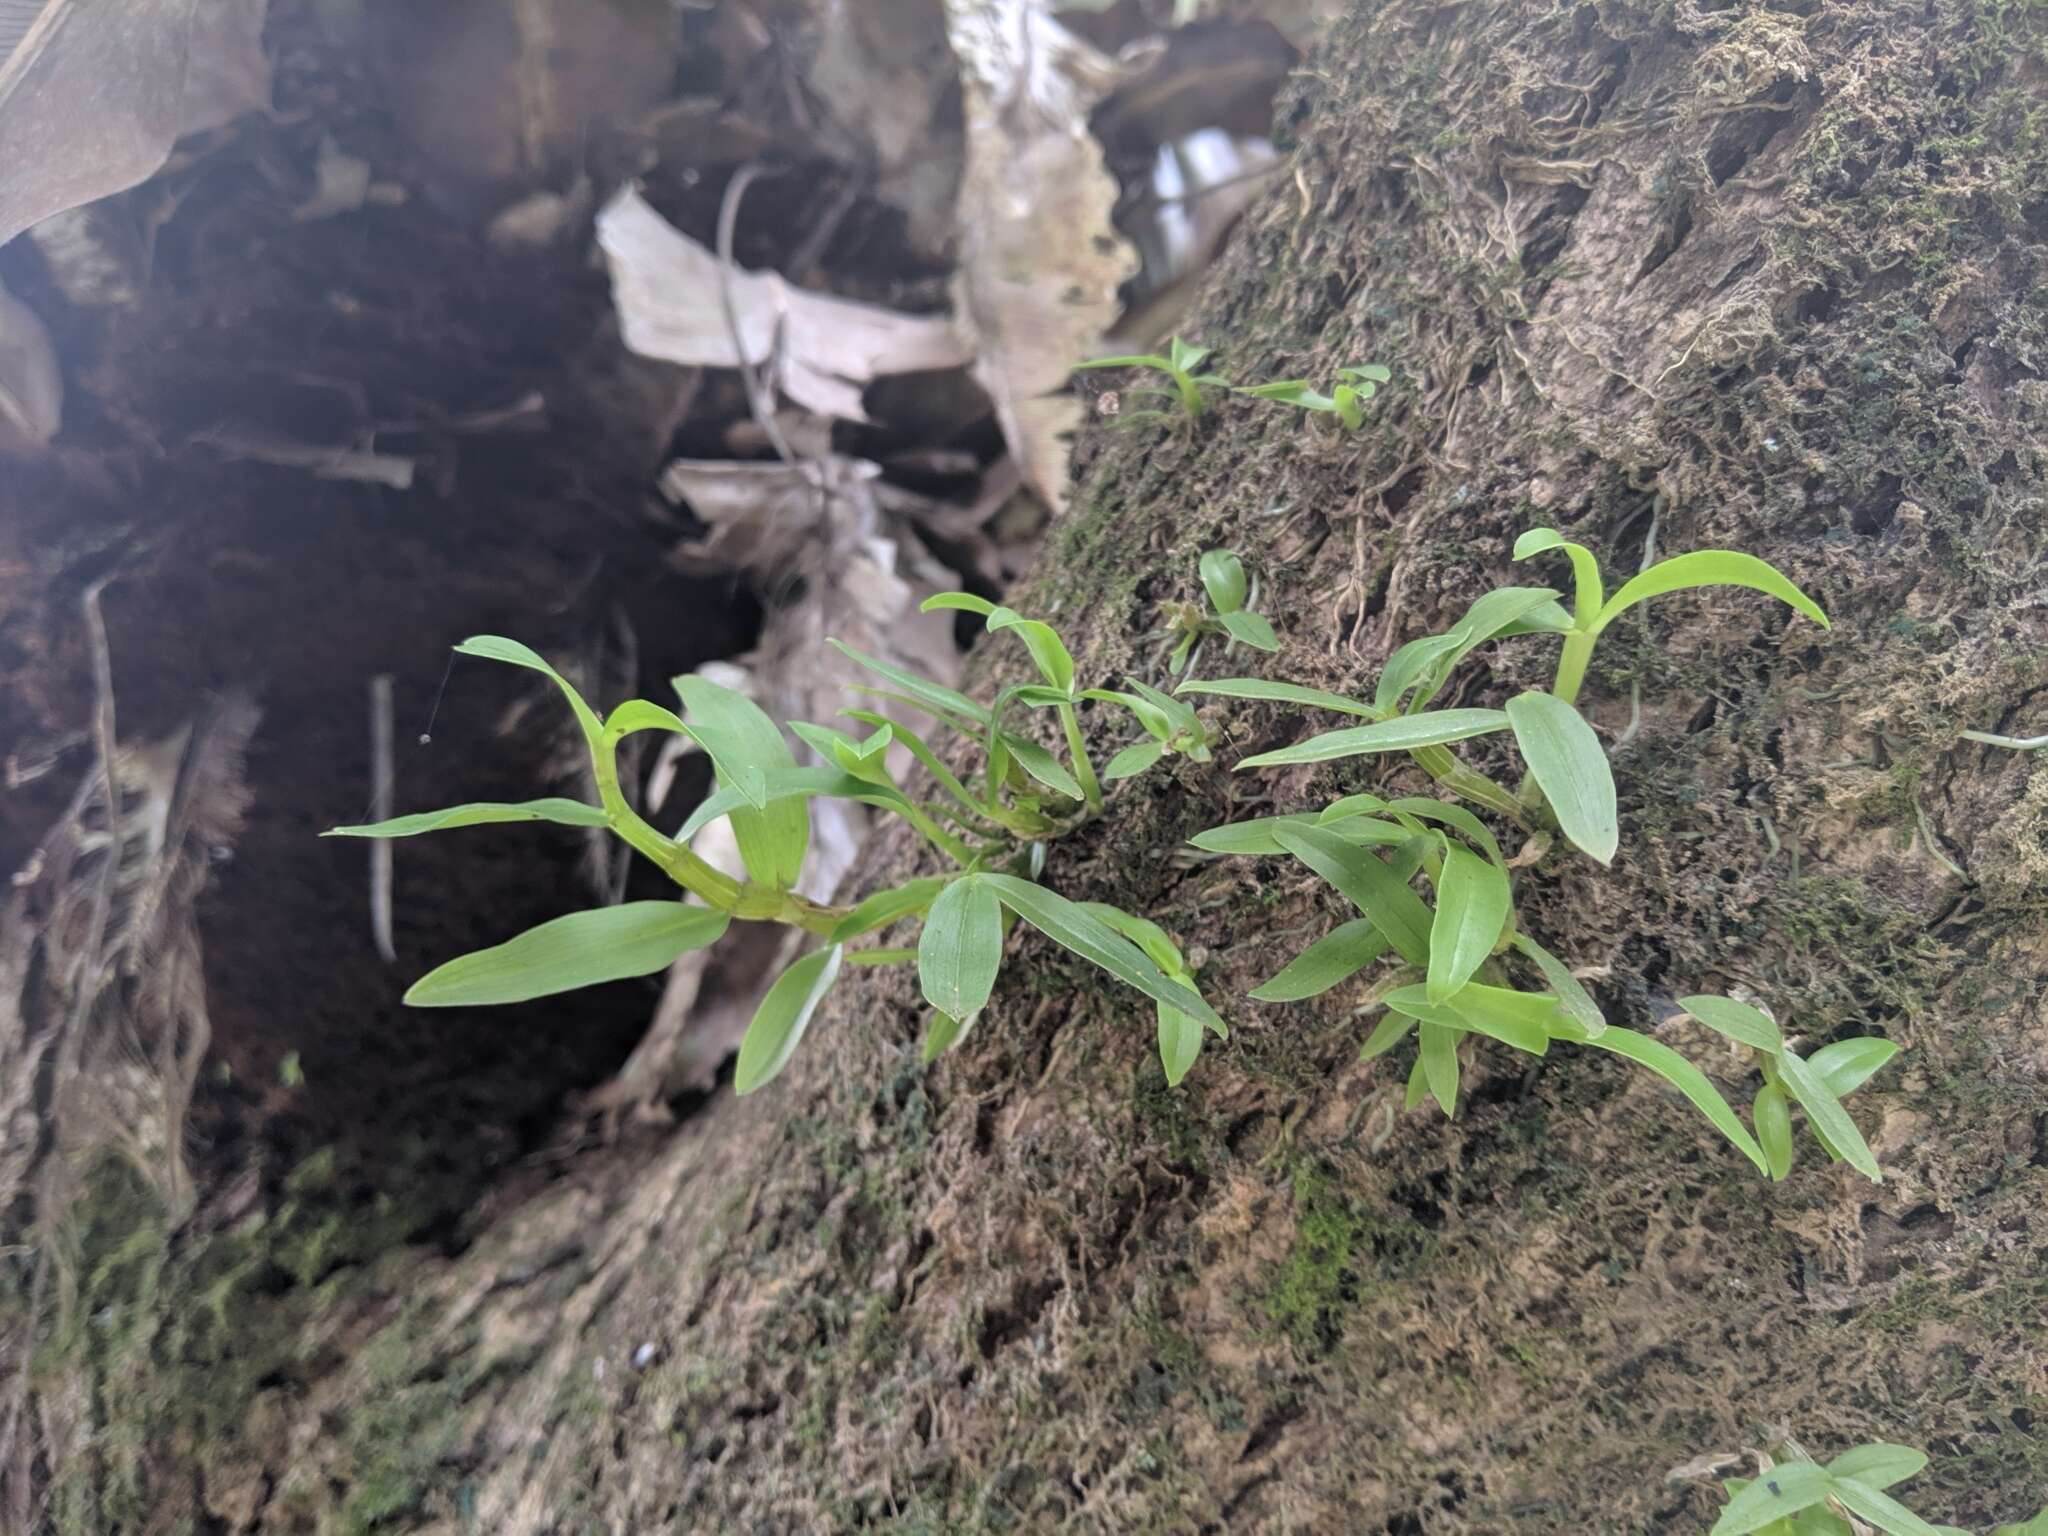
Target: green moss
[(1316, 1282)]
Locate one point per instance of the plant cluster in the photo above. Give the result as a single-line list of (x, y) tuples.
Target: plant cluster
[(1461, 964), (1190, 391), (1226, 616), (1799, 1497), (1454, 958)]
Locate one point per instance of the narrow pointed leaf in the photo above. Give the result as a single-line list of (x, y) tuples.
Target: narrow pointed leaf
[(1368, 884), (886, 907), (1688, 1080), (1279, 693), (498, 648), (1041, 764), (1154, 940), (1426, 662), (1440, 1065), (933, 696), (1772, 1117), (1738, 1021), (921, 750), (1880, 1509), (1574, 999), (1570, 767), (961, 948), (1252, 629), (1455, 816), (1337, 956), (1387, 1034), (785, 1013), (1133, 760), (1418, 1087), (636, 938), (1708, 568), (1523, 1020), (1070, 926), (964, 602), (941, 1035), (1404, 733), (1847, 1065), (1828, 1117), (641, 715), (1878, 1466), (1180, 1042), (1785, 1490), (1472, 903), (1048, 652), (1587, 593), (567, 813)]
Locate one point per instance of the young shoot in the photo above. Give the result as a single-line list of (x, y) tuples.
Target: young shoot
[(991, 834), (1346, 401), (1226, 616), (1190, 389), (1796, 1496), (1459, 965)]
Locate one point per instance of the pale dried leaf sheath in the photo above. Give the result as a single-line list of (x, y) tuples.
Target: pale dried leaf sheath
[(666, 288)]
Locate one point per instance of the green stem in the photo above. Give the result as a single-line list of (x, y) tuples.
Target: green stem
[(2017, 743), (1571, 664), (1084, 769)]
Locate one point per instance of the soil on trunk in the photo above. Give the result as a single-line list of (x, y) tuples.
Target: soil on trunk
[(1656, 275)]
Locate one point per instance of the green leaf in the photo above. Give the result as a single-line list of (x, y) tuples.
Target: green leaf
[(1688, 1080), (1455, 816), (1337, 956), (1279, 693), (1784, 1490), (1041, 764), (1291, 392), (939, 700), (1251, 836), (1224, 580), (1368, 373), (785, 1013), (567, 813), (1878, 1466), (1135, 360), (1587, 590), (1708, 568), (1179, 717), (1048, 652), (964, 602), (1185, 357), (1154, 940), (1880, 1509), (1180, 1042), (1738, 1021), (1385, 1036), (1155, 722), (1440, 1065), (1524, 1020), (1369, 885), (498, 648), (1773, 1119), (746, 748), (1071, 927), (1404, 733), (2038, 1526), (1575, 1000), (792, 786), (1472, 905), (921, 750), (886, 907), (961, 948), (1418, 1087), (1248, 628), (1847, 1065), (1828, 1117), (1427, 661), (1570, 767), (641, 715), (940, 1036), (1133, 760), (636, 938)]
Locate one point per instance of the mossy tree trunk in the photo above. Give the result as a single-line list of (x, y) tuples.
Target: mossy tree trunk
[(1731, 276)]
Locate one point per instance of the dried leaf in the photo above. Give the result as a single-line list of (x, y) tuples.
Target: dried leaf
[(93, 96), (1040, 262), (667, 289), (31, 384)]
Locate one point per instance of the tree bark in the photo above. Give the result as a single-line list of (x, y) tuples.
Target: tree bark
[(1662, 276)]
